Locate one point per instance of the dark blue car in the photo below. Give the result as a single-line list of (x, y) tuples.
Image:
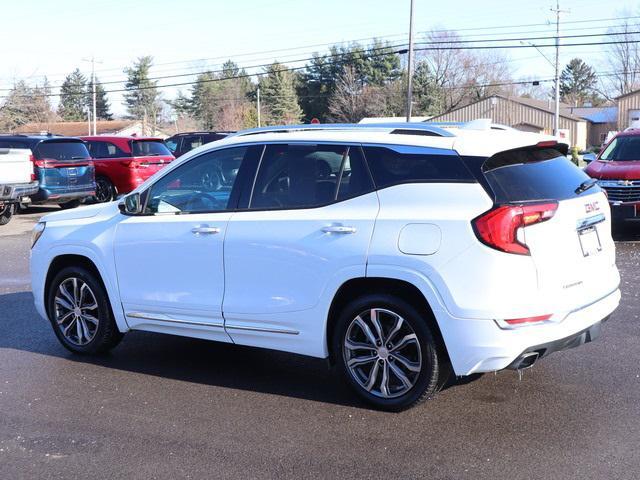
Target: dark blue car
[(61, 165)]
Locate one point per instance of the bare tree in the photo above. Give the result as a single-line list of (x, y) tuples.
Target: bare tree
[(461, 76), (349, 100), (624, 57)]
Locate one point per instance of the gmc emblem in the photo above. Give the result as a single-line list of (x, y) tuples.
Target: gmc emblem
[(591, 207)]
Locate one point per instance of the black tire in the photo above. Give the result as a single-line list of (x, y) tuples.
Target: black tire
[(425, 382), (105, 190), (71, 204), (106, 335), (6, 213)]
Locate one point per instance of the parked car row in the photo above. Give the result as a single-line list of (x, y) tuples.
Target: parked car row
[(37, 169)]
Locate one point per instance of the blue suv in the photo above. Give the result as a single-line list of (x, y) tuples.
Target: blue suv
[(62, 166)]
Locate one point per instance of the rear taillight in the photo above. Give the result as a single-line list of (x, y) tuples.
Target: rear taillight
[(498, 228), (34, 177)]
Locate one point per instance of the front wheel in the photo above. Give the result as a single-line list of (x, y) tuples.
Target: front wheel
[(387, 352), (80, 312), (6, 213)]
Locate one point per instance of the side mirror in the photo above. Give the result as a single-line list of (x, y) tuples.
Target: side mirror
[(131, 205), (588, 158)]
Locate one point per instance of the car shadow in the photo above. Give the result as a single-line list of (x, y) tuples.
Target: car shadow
[(187, 359), (181, 358)]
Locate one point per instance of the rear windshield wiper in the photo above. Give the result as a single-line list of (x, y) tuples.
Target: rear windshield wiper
[(586, 185), (79, 158)]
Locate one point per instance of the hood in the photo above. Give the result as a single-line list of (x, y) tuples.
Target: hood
[(82, 212), (612, 170)]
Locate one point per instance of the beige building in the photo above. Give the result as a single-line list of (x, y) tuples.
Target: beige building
[(628, 109), (523, 114)]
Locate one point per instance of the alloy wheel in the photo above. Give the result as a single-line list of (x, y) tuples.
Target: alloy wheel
[(382, 353), (76, 311), (103, 191)]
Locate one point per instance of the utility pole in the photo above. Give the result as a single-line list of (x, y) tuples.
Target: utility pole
[(93, 89), (258, 104), (556, 116), (410, 64)]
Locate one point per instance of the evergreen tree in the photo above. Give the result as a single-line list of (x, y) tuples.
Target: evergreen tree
[(577, 83), (220, 100), (142, 98), (279, 95), (103, 108), (72, 97), (428, 97)]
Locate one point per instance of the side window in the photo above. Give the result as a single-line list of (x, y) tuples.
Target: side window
[(306, 176), (203, 184), (390, 167), (172, 144), (105, 150), (191, 142)]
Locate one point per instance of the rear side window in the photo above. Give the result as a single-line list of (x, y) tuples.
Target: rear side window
[(307, 176), (61, 151), (414, 165), (106, 150), (530, 174), (147, 148)]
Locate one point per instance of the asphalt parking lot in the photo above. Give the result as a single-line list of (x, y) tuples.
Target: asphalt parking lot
[(168, 407)]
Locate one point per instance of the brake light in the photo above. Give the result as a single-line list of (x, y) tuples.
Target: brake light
[(547, 144), (498, 228), (34, 177)]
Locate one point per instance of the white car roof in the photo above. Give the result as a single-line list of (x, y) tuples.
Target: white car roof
[(478, 140)]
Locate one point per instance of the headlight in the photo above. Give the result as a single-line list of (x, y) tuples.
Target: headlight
[(37, 232)]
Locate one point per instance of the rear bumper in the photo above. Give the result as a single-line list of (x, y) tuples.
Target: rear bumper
[(14, 191), (587, 335), (476, 346), (46, 195)]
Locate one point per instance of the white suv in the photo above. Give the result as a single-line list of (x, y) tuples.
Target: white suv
[(403, 252)]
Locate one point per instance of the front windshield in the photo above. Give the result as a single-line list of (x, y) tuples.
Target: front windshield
[(623, 149)]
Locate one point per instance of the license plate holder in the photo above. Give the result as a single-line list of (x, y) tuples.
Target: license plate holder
[(589, 241)]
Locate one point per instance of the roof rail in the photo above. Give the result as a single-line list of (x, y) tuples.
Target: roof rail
[(478, 124), (412, 128)]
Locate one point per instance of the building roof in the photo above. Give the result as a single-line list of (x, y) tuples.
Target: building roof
[(607, 114), (546, 106), (633, 92), (75, 129)]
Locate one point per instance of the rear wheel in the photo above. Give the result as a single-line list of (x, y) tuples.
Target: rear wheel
[(387, 351), (80, 312), (6, 213), (105, 190)]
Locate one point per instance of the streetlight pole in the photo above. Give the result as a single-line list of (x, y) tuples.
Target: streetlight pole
[(93, 91), (410, 65)]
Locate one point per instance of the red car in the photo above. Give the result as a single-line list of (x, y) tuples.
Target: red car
[(617, 169), (123, 163)]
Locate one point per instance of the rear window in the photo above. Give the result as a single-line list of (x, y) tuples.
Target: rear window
[(414, 164), (62, 151), (146, 148), (533, 174), (622, 149)]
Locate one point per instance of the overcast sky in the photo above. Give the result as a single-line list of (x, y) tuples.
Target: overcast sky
[(52, 37)]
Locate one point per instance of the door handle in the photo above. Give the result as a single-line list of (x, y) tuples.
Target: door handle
[(205, 230), (338, 229)]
